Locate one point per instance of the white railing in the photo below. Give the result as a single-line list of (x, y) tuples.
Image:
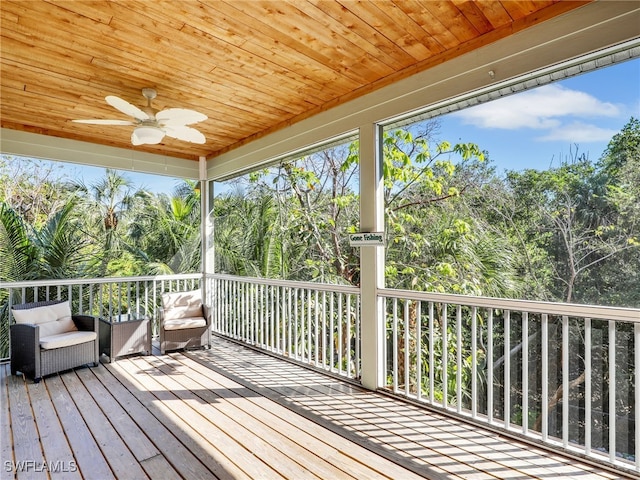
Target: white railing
[(102, 297), (540, 370), (316, 324)]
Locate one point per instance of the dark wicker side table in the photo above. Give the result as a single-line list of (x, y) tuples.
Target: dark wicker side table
[(125, 334)]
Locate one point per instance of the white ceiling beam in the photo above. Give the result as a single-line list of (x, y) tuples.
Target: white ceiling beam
[(27, 144)]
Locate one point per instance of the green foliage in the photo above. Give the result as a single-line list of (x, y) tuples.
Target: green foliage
[(289, 221), (584, 216), (56, 250), (71, 230), (452, 225), (165, 232)]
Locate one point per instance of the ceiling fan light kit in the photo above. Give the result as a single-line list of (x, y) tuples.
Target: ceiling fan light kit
[(147, 135), (151, 125)]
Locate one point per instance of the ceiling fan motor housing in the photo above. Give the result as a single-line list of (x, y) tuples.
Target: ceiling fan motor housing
[(149, 93), (151, 129)]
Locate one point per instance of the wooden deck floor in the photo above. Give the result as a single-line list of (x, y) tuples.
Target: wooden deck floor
[(232, 412)]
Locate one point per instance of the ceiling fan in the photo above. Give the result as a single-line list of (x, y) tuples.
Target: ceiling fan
[(151, 125)]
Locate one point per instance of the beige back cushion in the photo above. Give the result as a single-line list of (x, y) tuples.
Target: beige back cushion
[(52, 319), (182, 305)]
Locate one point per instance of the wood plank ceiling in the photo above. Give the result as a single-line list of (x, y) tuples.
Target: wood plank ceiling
[(251, 66)]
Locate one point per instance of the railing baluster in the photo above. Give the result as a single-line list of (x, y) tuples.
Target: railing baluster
[(490, 366), (272, 318), (525, 372), (340, 346), (432, 384), (565, 381), (289, 326), (358, 338), (587, 386), (224, 302), (459, 359), (394, 338), (445, 357), (309, 330), (262, 308), (281, 296), (612, 391), (296, 326), (316, 351), (636, 348), (348, 339), (324, 329), (507, 368), (419, 350), (545, 378), (238, 295), (254, 314), (406, 332), (474, 362)]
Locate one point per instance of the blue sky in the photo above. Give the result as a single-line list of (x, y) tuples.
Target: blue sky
[(534, 129), (541, 127), (153, 183)]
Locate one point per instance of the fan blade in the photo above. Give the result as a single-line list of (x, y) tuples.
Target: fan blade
[(126, 108), (105, 122), (184, 133), (175, 117)]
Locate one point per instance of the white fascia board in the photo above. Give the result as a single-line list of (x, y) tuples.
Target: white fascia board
[(33, 145), (581, 31)]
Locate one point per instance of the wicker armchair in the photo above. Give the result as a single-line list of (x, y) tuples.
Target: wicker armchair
[(46, 339), (184, 321)]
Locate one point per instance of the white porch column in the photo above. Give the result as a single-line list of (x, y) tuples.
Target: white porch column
[(371, 258), (204, 224)]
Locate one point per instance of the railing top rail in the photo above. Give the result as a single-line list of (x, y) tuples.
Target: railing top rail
[(530, 306), (289, 283), (80, 281)]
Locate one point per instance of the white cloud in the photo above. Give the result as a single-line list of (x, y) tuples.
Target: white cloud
[(578, 132), (544, 108)]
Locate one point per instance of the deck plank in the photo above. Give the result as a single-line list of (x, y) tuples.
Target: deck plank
[(136, 440), (57, 452), (145, 422), (122, 462), (182, 462), (90, 461), (6, 440), (264, 442), (351, 458), (26, 442), (214, 442), (234, 401)]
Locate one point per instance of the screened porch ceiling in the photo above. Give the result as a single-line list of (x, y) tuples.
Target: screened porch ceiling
[(253, 67)]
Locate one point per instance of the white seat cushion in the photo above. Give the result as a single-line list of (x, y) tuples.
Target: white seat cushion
[(180, 323), (66, 339), (52, 319)]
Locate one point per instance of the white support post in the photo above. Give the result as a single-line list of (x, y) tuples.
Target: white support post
[(371, 257), (204, 224)]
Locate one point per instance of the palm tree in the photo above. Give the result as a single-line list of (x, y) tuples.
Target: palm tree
[(251, 237), (168, 231), (56, 250), (109, 203)]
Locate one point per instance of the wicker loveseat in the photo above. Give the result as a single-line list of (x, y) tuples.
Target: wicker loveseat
[(46, 338), (184, 321)]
